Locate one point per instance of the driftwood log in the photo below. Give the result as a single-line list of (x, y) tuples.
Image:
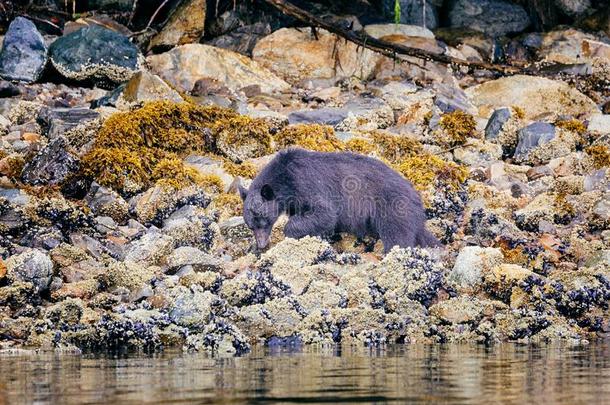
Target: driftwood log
[(384, 47)]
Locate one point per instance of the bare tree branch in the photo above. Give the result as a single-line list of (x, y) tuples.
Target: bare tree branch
[(384, 47)]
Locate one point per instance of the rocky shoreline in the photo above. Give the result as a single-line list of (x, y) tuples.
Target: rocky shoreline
[(120, 221)]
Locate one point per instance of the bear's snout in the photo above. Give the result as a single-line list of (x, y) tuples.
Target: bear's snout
[(262, 238)]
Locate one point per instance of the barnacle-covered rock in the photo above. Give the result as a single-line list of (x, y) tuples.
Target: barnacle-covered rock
[(32, 266), (95, 53), (472, 263), (219, 336), (409, 272), (158, 203), (127, 274)]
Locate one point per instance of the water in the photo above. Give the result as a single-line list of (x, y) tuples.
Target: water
[(413, 374)]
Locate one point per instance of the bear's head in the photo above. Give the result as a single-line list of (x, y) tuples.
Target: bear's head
[(261, 211)]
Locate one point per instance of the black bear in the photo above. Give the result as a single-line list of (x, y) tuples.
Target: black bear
[(326, 193)]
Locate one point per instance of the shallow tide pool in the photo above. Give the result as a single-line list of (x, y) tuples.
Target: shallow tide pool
[(399, 374)]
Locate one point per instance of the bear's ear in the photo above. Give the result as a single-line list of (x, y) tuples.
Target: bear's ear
[(243, 192), (267, 192)]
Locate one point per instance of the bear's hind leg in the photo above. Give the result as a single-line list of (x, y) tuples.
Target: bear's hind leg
[(396, 233)]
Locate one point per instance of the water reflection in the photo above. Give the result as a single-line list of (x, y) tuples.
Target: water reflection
[(456, 374)]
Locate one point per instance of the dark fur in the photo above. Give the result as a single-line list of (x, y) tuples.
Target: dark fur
[(325, 193)]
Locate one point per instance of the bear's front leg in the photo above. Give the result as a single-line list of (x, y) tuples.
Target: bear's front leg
[(320, 221)]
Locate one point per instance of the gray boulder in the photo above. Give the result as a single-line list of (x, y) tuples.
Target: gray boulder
[(493, 17), (52, 165), (327, 116), (532, 136), (95, 53), (24, 53), (57, 121), (496, 122), (31, 266), (191, 256)]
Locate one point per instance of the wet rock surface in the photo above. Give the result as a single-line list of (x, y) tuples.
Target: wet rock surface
[(24, 53), (121, 223), (493, 17), (95, 53)]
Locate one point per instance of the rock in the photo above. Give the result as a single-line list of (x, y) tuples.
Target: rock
[(598, 180), (599, 123), (31, 266), (188, 226), (52, 165), (493, 17), (184, 26), (458, 310), (536, 96), (191, 256), (191, 308), (449, 98), (412, 12), (106, 202), (149, 249), (97, 19), (158, 203), (571, 47), (573, 8), (366, 114), (184, 65), (226, 22), (95, 53), (207, 165), (496, 122), (145, 86), (383, 30), (601, 211), (58, 121), (601, 258), (472, 263), (478, 153), (541, 208), (327, 116), (242, 39), (531, 137), (15, 197), (296, 55), (128, 275), (24, 54), (358, 113), (8, 89), (410, 273)]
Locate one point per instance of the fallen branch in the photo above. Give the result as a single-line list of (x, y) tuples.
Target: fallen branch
[(384, 47), (155, 14)]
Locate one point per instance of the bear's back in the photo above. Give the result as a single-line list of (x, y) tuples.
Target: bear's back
[(343, 172)]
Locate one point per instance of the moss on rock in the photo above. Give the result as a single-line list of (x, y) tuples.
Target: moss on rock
[(309, 136), (600, 155), (459, 126), (572, 125), (246, 169), (241, 137), (423, 170), (131, 145)]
